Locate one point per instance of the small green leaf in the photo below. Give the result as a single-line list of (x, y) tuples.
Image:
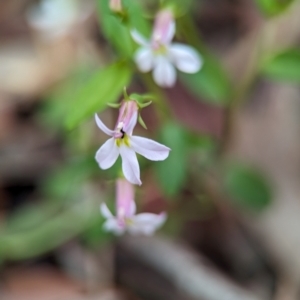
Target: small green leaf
[(273, 7), (104, 86), (141, 121), (283, 66), (171, 173), (247, 187), (211, 83)]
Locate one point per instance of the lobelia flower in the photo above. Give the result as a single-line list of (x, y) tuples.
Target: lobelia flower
[(160, 55), (126, 219), (127, 145)]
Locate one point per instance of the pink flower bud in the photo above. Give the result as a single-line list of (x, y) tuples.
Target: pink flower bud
[(164, 28), (115, 5), (124, 198), (127, 119)]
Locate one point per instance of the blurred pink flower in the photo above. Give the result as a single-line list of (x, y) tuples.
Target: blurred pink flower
[(126, 219), (160, 55), (123, 143)]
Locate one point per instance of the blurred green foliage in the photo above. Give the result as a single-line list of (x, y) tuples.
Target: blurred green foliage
[(247, 187), (210, 84), (45, 233), (273, 7), (284, 66), (171, 173), (179, 7), (65, 182)]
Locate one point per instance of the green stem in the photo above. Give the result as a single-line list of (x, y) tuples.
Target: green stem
[(160, 100)]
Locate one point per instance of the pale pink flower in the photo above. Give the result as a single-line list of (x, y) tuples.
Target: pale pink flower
[(127, 145), (160, 55), (126, 218)]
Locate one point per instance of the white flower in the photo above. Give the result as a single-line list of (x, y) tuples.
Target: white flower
[(127, 219), (55, 18), (160, 55), (123, 143)]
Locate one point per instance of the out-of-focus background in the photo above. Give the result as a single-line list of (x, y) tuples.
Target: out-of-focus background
[(230, 186)]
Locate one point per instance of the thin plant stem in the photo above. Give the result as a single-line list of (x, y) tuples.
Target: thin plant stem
[(160, 100)]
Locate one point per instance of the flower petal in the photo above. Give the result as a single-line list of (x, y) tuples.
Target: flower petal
[(105, 211), (128, 128), (185, 58), (132, 208), (138, 38), (146, 223), (130, 165), (113, 226), (164, 73), (101, 125), (170, 33), (107, 155), (149, 148), (143, 57)]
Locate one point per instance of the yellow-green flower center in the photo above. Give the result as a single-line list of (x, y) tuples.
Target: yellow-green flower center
[(123, 141), (160, 50), (128, 222)]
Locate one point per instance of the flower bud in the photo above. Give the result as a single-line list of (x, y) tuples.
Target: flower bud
[(124, 198), (127, 119), (164, 27), (116, 5)]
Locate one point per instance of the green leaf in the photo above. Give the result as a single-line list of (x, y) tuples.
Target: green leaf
[(117, 29), (211, 83), (104, 86), (247, 187), (171, 173), (136, 17), (56, 107), (113, 29), (283, 66), (273, 7)]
